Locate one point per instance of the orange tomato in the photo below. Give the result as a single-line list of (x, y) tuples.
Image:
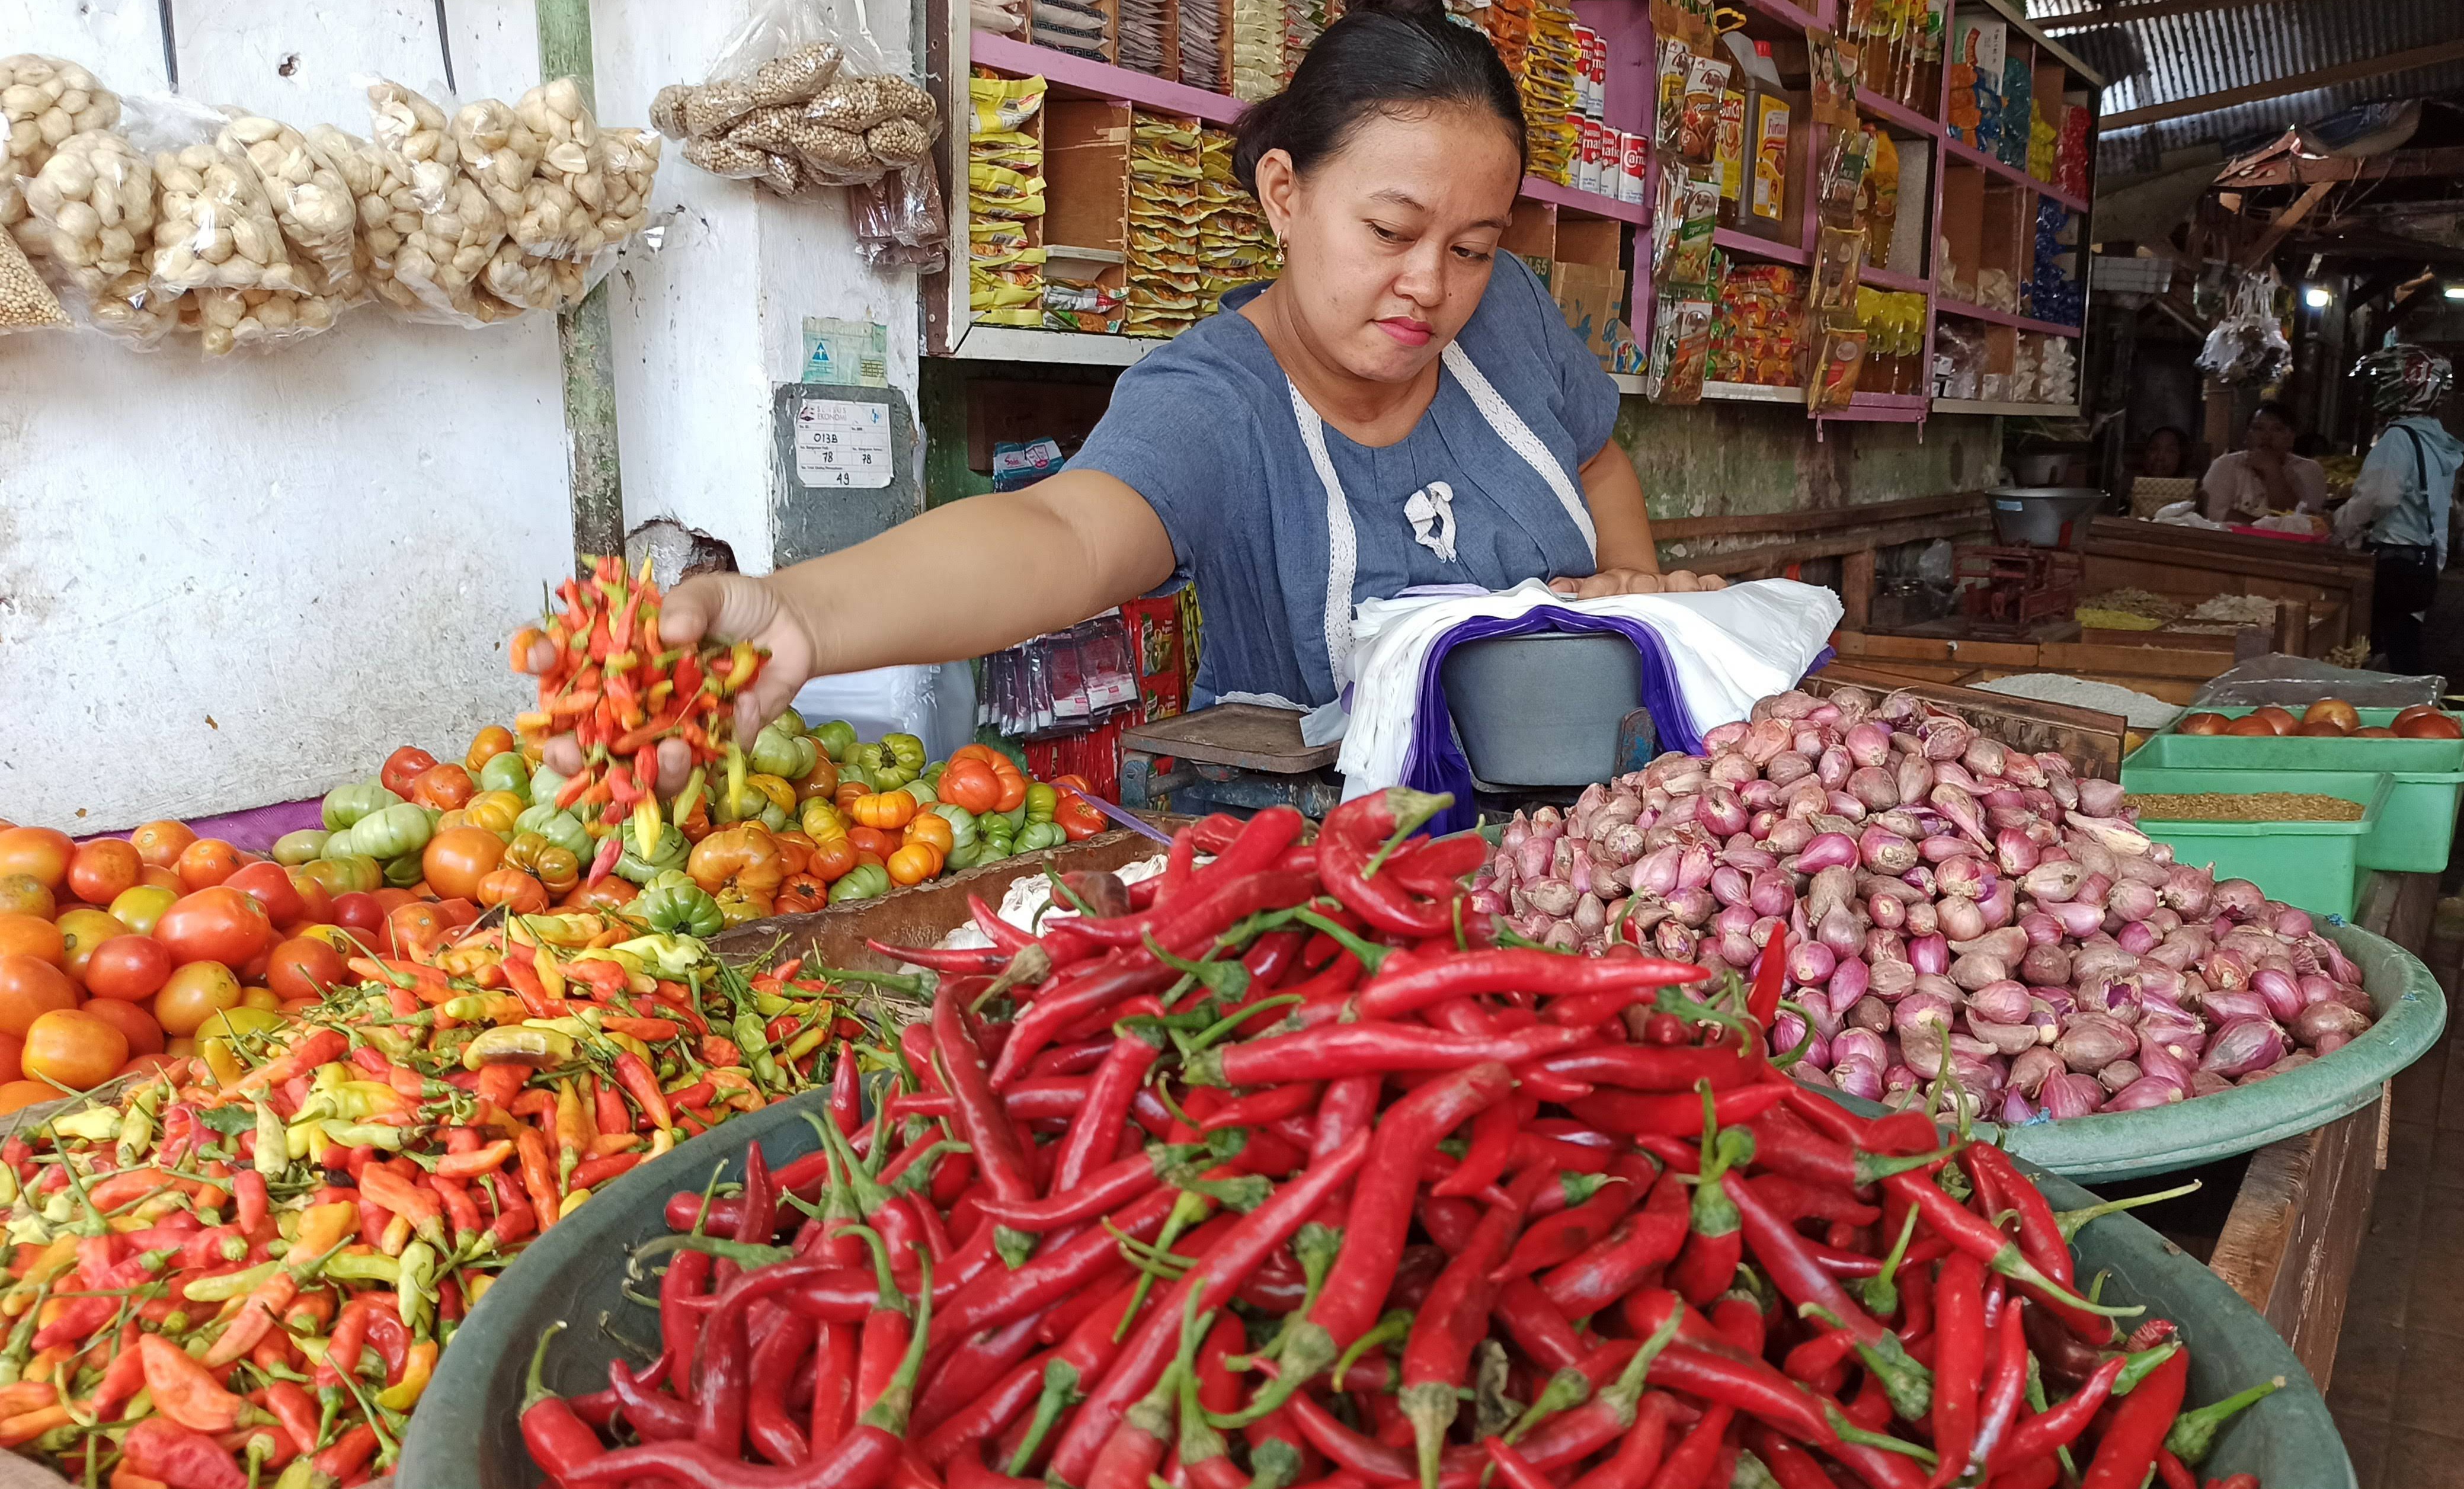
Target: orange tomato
[(316, 901), (801, 895), (25, 935), (100, 869), (303, 967), (847, 795), (23, 894), (147, 1065), (969, 784), (487, 744), (607, 894), (269, 884), (795, 851), (873, 841), (518, 891), (81, 930), (206, 863), (194, 994), (1013, 784), (259, 997), (444, 787), (457, 858), (389, 898), (219, 924), (402, 767), (912, 864), (886, 810), (128, 969), (39, 851), (30, 989), (831, 859), (160, 844), (414, 929), (930, 828), (140, 908), (25, 1093), (162, 879), (73, 1048)]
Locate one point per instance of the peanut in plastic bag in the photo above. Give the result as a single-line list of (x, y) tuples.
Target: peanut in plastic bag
[(440, 263), (234, 320), (43, 102), (499, 151), (214, 224), (387, 217), (563, 202), (312, 205), (94, 202), (416, 137), (629, 165)]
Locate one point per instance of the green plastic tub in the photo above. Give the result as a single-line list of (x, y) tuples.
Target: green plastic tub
[(2410, 1012), (2316, 865), (466, 1433), (2416, 830)]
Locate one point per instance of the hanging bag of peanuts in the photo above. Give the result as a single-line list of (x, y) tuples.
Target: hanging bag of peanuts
[(92, 205), (800, 98), (385, 211), (460, 227), (312, 205), (44, 101)]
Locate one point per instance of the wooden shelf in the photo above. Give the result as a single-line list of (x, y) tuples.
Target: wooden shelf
[(1738, 242), (1101, 79), (1786, 13), (1891, 112), (1882, 278), (1535, 189), (1961, 150), (1071, 348), (1882, 408), (2001, 317), (1978, 406), (1753, 393)]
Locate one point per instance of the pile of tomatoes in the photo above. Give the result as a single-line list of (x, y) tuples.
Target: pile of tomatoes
[(118, 956), (2328, 718)]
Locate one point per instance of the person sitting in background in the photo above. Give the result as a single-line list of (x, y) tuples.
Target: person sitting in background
[(2401, 497), (2264, 475), (2165, 455)]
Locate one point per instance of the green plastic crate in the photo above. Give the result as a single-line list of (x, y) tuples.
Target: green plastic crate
[(2314, 865), (2416, 830)]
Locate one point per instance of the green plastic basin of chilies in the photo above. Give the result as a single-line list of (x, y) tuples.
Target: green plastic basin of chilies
[(467, 1433), (2314, 864), (2414, 832)]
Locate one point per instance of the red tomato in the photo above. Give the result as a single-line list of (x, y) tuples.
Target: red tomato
[(414, 929), (270, 885), (12, 1051), (206, 863), (135, 1024), (220, 924), (303, 967), (30, 989), (25, 1093), (160, 844), (126, 968), (359, 912), (39, 851), (402, 767), (162, 879), (444, 787), (100, 869), (607, 894), (456, 859), (75, 1048), (316, 902)]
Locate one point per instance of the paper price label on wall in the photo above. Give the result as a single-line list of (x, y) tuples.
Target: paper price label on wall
[(842, 445)]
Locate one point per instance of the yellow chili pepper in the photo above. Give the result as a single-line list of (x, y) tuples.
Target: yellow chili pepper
[(485, 1008), (419, 1363), (521, 1045), (571, 1203), (574, 1130), (551, 975)]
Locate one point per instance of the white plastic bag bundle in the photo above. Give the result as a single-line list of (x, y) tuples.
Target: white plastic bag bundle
[(936, 704), (460, 229), (2247, 343)]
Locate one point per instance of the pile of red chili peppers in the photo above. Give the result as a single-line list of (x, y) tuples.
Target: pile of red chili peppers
[(1291, 1174)]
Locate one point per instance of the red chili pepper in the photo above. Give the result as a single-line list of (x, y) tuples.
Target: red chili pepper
[(1455, 1317), (1639, 1243), (2131, 1440), (559, 1441), (1514, 970), (1970, 1233), (1801, 1279), (1349, 1049), (1958, 1364), (1353, 834)]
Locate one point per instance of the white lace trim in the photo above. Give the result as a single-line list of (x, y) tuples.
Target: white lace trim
[(1342, 544), (1520, 439)]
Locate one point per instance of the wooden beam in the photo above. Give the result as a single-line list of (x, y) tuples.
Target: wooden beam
[(2286, 170), (2380, 66), (2285, 221), (2123, 14), (1672, 529)]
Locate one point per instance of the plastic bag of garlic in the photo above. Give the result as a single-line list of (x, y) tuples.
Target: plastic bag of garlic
[(1947, 905)]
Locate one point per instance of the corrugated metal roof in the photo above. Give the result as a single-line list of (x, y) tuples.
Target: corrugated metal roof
[(2173, 58)]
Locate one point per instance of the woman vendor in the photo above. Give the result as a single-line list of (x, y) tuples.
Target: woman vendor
[(1404, 407)]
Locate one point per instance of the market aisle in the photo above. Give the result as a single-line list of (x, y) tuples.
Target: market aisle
[(2398, 1390)]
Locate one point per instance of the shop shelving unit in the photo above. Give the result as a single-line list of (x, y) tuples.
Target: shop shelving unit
[(1980, 202)]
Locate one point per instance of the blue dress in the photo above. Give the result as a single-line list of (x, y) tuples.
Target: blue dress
[(1284, 524)]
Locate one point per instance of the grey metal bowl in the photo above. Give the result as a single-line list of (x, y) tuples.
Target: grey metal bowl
[(2044, 517), (1542, 709)]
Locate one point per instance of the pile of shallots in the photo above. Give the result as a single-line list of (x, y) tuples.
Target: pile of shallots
[(1946, 898)]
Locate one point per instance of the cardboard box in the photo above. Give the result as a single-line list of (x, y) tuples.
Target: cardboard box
[(1593, 298)]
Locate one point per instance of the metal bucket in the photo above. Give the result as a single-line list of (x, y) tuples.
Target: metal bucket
[(1542, 709), (2043, 516)]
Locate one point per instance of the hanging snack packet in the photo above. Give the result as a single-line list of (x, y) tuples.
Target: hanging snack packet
[(1835, 65), (1838, 252), (1669, 110), (1838, 360), (1004, 105), (1698, 129), (1689, 257)]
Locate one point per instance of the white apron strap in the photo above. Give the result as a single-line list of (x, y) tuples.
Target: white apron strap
[(1520, 439), (1343, 546)]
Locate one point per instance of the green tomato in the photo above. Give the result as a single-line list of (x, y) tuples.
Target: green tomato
[(545, 783), (922, 790), (863, 882), (1016, 817), (962, 823), (677, 909), (668, 853), (966, 855), (402, 872), (793, 722), (1039, 835), (562, 828), (906, 751), (851, 771), (836, 738), (399, 831), (345, 806), (1040, 802), (774, 754), (506, 772), (294, 848)]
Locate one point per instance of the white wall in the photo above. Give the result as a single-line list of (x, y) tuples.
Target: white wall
[(228, 583)]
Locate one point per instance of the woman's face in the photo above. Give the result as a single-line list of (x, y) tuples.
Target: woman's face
[(2164, 457), (2269, 435), (1388, 242)]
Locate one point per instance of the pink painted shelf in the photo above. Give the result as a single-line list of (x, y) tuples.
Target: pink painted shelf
[(1969, 154), (1884, 279), (1751, 246), (2001, 317), (1104, 80), (1538, 191), (1891, 112)]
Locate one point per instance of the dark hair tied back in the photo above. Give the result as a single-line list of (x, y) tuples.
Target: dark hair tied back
[(1382, 56)]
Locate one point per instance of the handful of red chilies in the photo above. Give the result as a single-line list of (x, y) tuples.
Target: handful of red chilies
[(1293, 1174)]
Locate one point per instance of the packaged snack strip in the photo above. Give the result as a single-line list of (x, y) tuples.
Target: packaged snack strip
[(1880, 214), (1022, 274), (1846, 155), (1840, 356), (1676, 61), (1165, 133), (1028, 317), (992, 294), (1257, 60), (1837, 253), (1142, 37), (1002, 106), (1699, 120), (1690, 255)]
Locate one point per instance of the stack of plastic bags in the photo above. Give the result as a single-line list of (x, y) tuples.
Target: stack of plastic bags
[(1165, 282), (2018, 111), (1142, 38), (1234, 246), (1257, 67), (1005, 200), (2056, 291), (2057, 369)]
